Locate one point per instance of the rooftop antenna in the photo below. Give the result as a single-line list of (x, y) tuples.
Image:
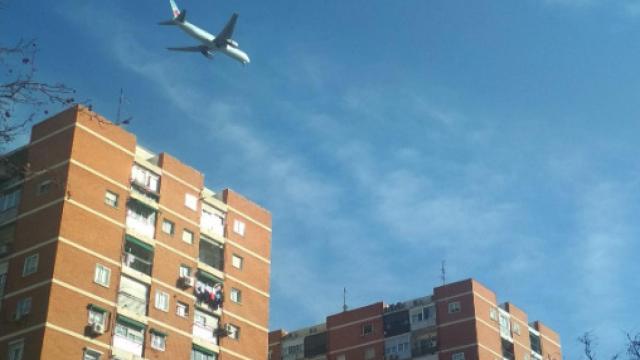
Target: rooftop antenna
[(344, 299), (121, 101), (443, 273)]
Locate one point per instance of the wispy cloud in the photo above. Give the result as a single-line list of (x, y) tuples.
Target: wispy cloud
[(366, 179)]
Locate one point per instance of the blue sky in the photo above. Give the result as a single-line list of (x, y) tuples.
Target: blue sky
[(500, 136)]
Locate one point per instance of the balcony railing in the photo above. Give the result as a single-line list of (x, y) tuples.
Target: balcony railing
[(140, 224), (212, 223), (128, 345), (206, 333), (424, 350), (131, 303), (144, 193), (212, 255), (137, 263)]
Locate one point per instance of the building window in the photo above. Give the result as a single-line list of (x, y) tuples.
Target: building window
[(185, 271), (9, 200), (536, 345), (236, 295), (111, 198), (341, 357), (505, 326), (211, 253), (200, 353), (516, 328), (212, 221), (4, 269), (145, 179), (294, 349), (16, 350), (162, 301), (138, 255), (454, 307), (158, 340), (30, 265), (97, 316), (90, 354), (233, 331), (182, 309), (369, 353), (129, 335), (238, 227), (187, 236), (191, 201), (44, 187), (23, 307), (236, 261), (457, 356), (422, 315), (168, 227), (133, 295), (493, 314), (102, 275), (141, 218), (367, 329)]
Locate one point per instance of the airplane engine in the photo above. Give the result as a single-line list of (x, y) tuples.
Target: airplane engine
[(206, 53), (232, 43)]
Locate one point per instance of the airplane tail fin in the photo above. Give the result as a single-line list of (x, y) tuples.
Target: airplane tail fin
[(174, 9), (178, 15)]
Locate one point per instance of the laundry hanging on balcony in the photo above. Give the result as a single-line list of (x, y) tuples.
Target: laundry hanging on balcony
[(210, 295)]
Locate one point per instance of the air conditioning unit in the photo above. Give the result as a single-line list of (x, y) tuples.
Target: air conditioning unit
[(221, 331), (97, 328), (187, 281)]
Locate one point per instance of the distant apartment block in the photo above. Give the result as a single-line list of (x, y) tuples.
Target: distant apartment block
[(110, 251), (459, 321)]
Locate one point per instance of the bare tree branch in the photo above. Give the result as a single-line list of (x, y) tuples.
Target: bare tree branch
[(22, 95), (633, 348), (587, 342)]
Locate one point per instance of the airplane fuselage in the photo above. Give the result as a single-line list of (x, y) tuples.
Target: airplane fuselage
[(207, 39)]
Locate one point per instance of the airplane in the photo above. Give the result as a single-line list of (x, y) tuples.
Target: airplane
[(210, 44)]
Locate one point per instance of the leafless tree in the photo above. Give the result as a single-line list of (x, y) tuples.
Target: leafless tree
[(588, 341), (633, 348), (22, 95)]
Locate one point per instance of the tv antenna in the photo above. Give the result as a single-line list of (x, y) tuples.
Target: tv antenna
[(443, 273), (344, 299), (121, 102)]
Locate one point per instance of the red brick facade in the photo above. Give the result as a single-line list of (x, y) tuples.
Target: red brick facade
[(460, 321), (78, 223)]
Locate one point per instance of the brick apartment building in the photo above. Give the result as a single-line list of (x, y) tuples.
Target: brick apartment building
[(109, 251), (459, 321)]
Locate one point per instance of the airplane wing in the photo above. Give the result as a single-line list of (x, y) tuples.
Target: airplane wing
[(207, 52), (186, 48), (227, 31)]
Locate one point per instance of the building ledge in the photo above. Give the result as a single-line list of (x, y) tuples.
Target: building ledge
[(124, 311), (210, 269), (140, 237), (140, 159), (207, 345), (209, 198), (217, 312), (136, 274), (125, 355), (218, 238), (145, 200)]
